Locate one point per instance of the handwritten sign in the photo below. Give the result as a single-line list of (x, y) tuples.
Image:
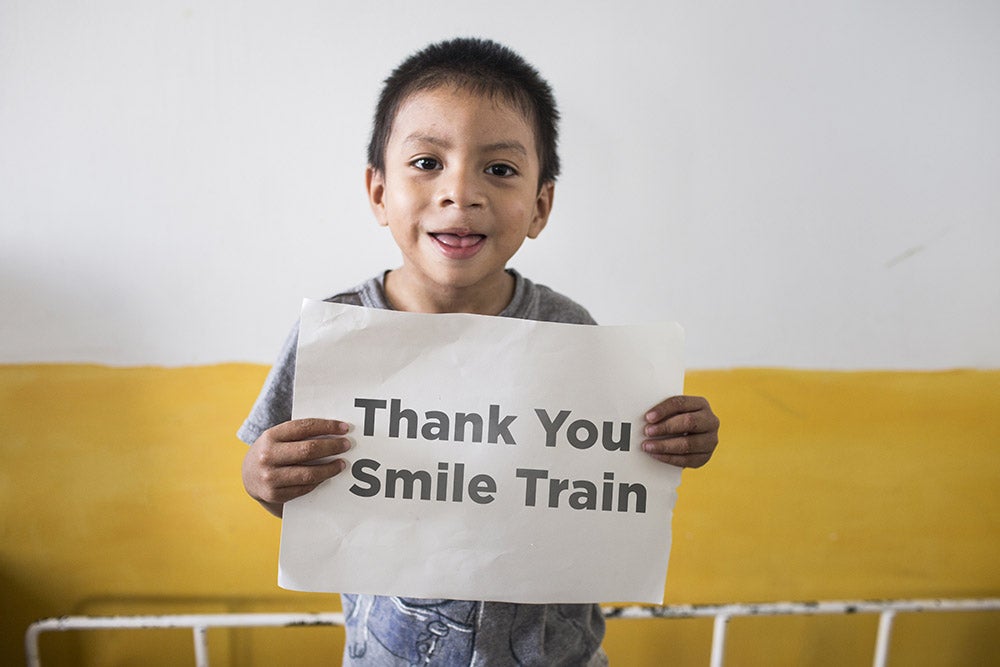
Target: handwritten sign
[(492, 459)]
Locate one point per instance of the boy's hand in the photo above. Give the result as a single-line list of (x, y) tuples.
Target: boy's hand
[(682, 431), (281, 464)]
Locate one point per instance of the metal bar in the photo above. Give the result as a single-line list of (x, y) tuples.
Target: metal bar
[(200, 623), (882, 639), (887, 609), (200, 646), (188, 621), (719, 640), (803, 608), (31, 645), (192, 621)]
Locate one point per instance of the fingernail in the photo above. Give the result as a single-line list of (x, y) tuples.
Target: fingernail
[(651, 416)]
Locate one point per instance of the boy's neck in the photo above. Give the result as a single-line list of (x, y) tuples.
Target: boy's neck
[(413, 296)]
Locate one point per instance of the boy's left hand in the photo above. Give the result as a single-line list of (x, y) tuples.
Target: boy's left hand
[(682, 431)]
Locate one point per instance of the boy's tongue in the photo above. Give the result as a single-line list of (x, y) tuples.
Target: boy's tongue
[(456, 241)]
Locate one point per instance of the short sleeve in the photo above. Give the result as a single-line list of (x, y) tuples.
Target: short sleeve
[(274, 404)]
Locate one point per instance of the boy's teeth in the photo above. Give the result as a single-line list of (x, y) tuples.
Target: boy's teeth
[(457, 241)]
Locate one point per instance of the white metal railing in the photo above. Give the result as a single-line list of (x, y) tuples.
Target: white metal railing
[(886, 609), (200, 623)]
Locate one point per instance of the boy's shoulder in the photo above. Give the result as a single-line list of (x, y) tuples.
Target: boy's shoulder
[(533, 301)]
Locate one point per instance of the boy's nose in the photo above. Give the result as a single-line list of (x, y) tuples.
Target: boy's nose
[(461, 189)]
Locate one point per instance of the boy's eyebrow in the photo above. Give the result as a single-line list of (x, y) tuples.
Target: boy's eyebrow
[(515, 146), (420, 138)]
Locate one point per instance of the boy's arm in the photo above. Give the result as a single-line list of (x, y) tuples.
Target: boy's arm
[(282, 463), (682, 431)]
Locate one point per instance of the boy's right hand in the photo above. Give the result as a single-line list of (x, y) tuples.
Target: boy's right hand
[(281, 463)]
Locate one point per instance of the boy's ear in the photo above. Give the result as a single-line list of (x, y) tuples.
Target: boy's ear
[(375, 184), (543, 206)]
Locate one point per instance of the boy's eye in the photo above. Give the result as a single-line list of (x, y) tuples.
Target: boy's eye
[(425, 163), (501, 170)]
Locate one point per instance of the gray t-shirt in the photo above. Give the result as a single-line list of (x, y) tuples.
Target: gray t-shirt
[(384, 630)]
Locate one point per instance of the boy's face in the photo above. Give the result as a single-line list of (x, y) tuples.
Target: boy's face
[(459, 193)]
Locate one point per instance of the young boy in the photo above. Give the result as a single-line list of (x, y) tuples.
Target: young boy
[(461, 168)]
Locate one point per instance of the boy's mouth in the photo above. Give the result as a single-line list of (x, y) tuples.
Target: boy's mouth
[(458, 246), (459, 240)]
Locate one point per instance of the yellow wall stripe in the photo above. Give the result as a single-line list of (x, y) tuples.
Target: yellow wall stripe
[(121, 493)]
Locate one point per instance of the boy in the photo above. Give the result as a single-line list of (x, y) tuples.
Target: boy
[(461, 168)]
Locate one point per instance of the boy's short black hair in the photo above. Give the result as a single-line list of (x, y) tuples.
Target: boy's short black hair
[(480, 66)]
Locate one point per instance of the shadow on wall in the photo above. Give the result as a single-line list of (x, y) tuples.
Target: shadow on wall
[(47, 294), (21, 604)]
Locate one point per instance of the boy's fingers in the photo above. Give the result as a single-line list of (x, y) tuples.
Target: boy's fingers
[(280, 454), (318, 448), (297, 480), (284, 494), (314, 474), (684, 461), (686, 422), (693, 444), (675, 405), (304, 429)]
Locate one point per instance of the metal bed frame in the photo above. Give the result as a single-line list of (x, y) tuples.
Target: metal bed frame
[(723, 614)]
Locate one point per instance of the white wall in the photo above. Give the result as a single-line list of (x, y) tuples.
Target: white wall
[(806, 184)]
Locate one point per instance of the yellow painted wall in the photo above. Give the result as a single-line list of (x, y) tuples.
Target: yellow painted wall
[(120, 494)]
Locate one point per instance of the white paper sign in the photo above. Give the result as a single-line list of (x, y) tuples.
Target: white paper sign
[(493, 459)]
